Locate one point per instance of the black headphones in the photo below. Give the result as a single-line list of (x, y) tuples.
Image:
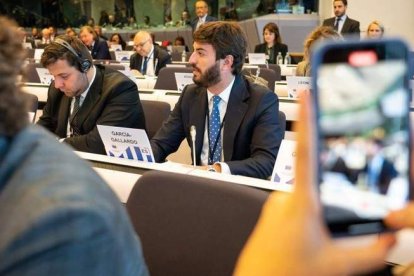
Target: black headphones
[(84, 64)]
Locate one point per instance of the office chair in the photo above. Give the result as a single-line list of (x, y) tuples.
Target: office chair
[(32, 103), (30, 74), (190, 225), (282, 122), (166, 77), (156, 112)]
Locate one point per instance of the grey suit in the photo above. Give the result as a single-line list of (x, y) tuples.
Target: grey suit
[(251, 132), (112, 100), (195, 21), (161, 59), (350, 26), (58, 217)]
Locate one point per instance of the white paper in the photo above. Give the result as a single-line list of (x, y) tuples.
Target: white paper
[(38, 53), (296, 84), (288, 70), (123, 55), (116, 47), (284, 170), (129, 143), (183, 79), (44, 75), (257, 58)]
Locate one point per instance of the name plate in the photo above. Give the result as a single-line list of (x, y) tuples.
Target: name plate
[(183, 79), (38, 54), (44, 75), (128, 143), (123, 55), (284, 170), (296, 84), (116, 47), (257, 58)]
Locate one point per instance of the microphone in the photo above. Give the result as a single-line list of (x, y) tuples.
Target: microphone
[(193, 140)]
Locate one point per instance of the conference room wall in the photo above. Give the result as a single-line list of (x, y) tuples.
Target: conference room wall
[(397, 15)]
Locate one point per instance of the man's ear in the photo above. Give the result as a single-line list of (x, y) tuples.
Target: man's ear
[(228, 61)]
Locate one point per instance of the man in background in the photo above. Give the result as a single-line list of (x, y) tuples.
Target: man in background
[(341, 22), (149, 58), (201, 9), (235, 122), (98, 46), (58, 217), (84, 95)]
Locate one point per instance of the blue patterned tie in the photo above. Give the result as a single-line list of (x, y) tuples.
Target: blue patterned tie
[(144, 66), (214, 126)]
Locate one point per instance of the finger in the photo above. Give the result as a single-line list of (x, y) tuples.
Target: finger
[(305, 179), (401, 218), (364, 259)]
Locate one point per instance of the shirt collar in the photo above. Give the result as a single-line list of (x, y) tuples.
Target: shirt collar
[(224, 95), (83, 95)]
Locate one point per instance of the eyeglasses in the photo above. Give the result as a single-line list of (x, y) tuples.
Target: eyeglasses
[(140, 45)]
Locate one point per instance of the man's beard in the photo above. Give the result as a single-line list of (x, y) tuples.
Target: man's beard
[(210, 77)]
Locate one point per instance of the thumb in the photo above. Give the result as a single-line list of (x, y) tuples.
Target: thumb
[(359, 260)]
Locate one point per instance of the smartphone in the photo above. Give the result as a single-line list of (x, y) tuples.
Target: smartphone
[(361, 93)]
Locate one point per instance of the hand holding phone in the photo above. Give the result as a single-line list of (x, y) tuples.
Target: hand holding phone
[(361, 94)]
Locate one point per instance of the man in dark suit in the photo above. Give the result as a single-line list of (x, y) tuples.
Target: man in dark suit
[(83, 95), (341, 22), (149, 58), (98, 46), (236, 123), (58, 217), (201, 9)]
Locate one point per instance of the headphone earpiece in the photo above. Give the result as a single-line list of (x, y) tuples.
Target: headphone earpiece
[(84, 64)]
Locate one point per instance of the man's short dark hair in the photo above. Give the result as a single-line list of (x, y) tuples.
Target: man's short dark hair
[(13, 111), (227, 38), (345, 2), (54, 52)]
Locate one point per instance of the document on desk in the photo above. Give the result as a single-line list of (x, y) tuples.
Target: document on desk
[(183, 79), (129, 143)]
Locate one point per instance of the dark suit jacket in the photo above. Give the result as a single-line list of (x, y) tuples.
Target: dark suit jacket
[(161, 58), (112, 100), (195, 21), (100, 50), (251, 133), (58, 217), (350, 26), (278, 47)]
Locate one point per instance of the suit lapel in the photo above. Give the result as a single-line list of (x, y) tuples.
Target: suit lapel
[(91, 98), (198, 118), (236, 109), (64, 111)]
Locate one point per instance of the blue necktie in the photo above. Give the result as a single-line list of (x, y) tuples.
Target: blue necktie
[(214, 133), (144, 66)]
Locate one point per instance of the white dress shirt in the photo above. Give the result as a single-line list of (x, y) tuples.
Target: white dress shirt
[(224, 96)]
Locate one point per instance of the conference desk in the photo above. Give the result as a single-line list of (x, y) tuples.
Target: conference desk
[(121, 175)]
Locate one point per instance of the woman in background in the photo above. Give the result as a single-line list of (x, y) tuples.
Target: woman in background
[(320, 33), (272, 43), (375, 29), (116, 39)]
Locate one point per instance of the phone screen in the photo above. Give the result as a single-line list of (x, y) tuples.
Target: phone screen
[(363, 99)]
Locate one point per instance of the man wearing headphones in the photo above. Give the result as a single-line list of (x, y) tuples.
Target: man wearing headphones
[(84, 95)]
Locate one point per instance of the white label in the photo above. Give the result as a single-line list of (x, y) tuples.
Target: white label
[(284, 170), (44, 75), (296, 84), (123, 56), (257, 58), (183, 79), (129, 143)]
